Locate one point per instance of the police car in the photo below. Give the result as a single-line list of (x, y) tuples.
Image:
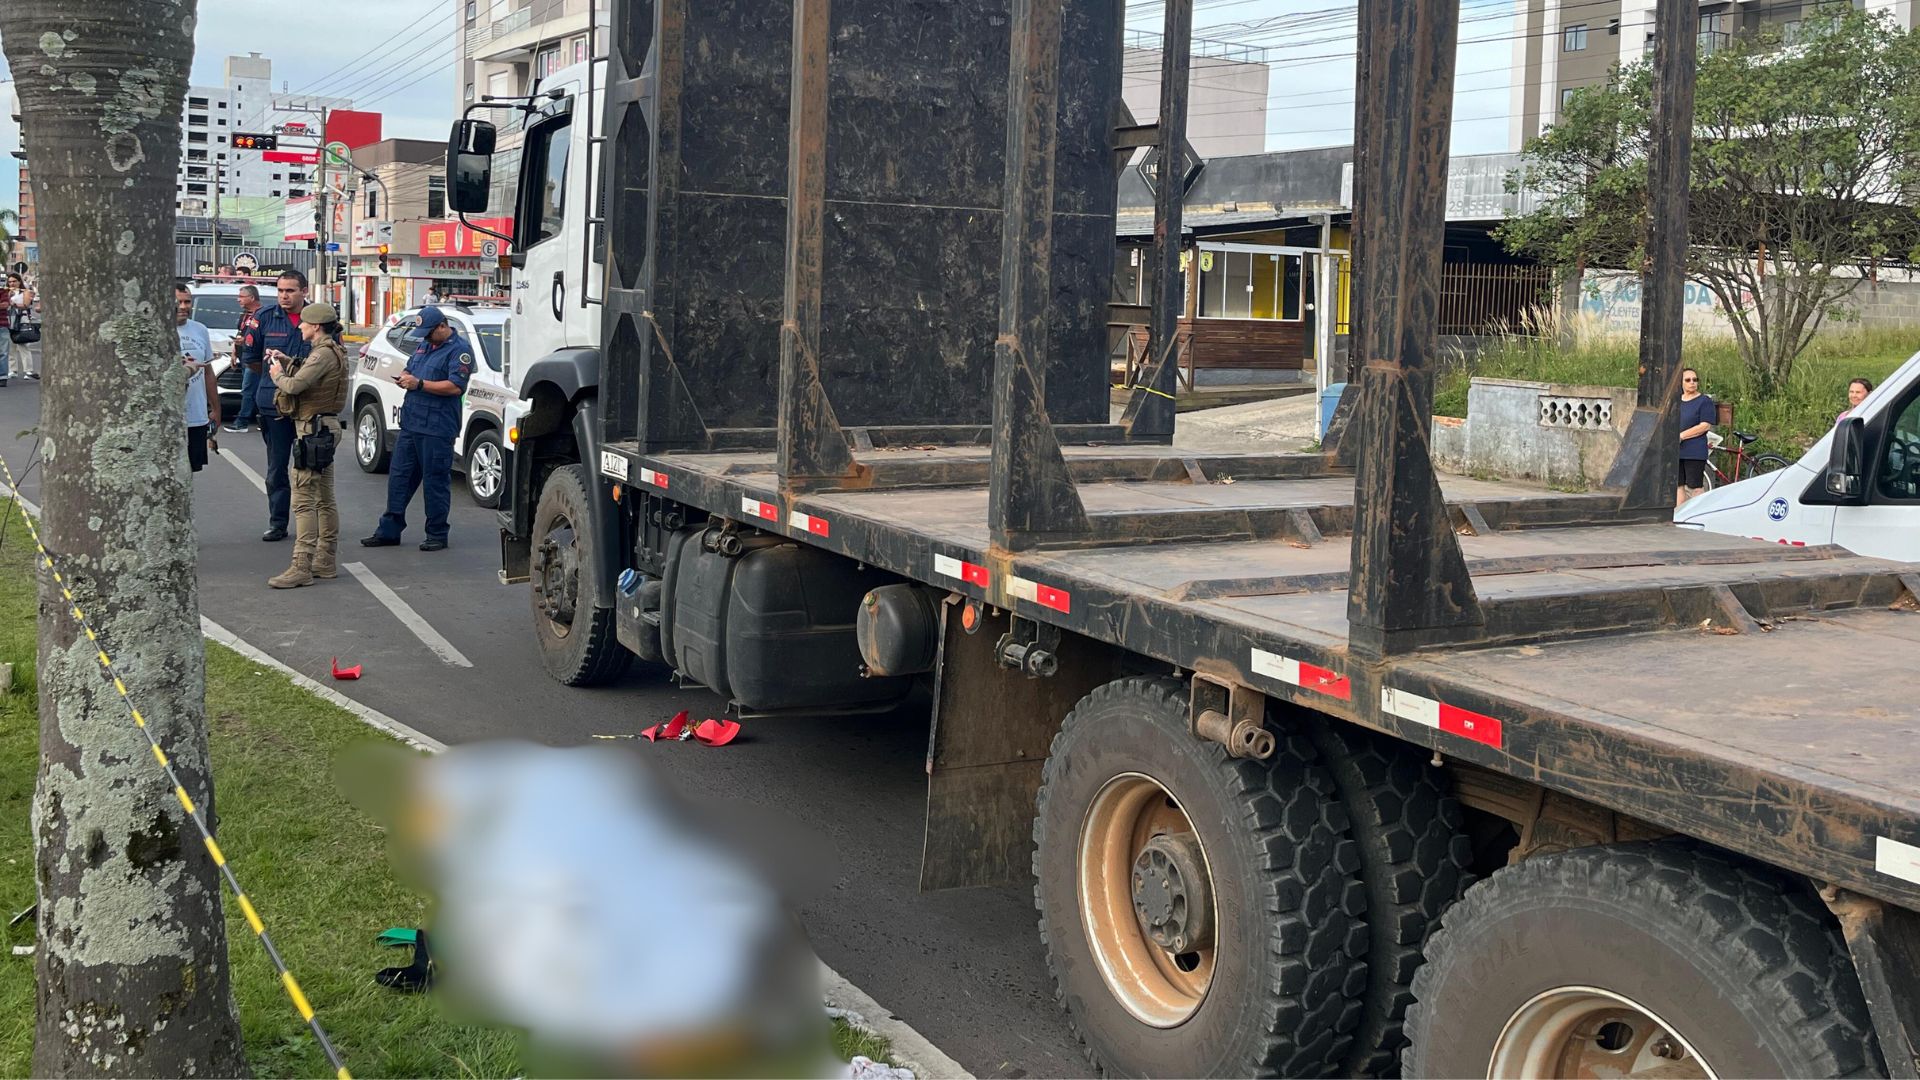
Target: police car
[(375, 398)]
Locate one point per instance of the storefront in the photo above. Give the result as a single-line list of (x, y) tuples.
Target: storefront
[(460, 261), (1253, 300)]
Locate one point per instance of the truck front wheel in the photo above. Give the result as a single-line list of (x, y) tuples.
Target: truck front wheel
[(576, 632), (1202, 913), (1638, 960)]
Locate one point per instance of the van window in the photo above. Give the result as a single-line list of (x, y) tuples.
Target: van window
[(1900, 467), (217, 312)]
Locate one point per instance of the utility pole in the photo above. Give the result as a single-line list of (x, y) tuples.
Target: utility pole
[(219, 181)]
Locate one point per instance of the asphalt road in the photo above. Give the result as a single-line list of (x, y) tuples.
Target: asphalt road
[(965, 967)]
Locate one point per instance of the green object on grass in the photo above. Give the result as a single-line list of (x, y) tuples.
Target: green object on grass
[(398, 936)]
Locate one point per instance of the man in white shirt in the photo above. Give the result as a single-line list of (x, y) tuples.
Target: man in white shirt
[(203, 402)]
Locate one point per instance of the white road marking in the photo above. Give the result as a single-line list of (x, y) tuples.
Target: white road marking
[(26, 504), (410, 618), (246, 470), (419, 740), (911, 1049)]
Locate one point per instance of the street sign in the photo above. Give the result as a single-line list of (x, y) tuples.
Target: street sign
[(291, 157), (338, 153), (332, 246), (490, 249)]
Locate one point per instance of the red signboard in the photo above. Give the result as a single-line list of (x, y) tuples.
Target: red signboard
[(292, 157), (352, 127), (450, 239)]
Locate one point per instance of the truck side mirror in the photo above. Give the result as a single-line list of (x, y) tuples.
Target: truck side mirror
[(1846, 467), (470, 166)]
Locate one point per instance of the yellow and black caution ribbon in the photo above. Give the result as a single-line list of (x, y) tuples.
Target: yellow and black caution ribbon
[(292, 985)]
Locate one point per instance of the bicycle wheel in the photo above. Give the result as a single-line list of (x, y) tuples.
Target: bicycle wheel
[(1711, 478), (1766, 463)]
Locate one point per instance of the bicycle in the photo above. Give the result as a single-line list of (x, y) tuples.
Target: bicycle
[(1741, 461)]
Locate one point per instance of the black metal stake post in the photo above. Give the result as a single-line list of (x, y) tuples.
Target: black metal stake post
[(1339, 449), (1649, 463), (1150, 412), (812, 445), (1409, 582), (1032, 497)]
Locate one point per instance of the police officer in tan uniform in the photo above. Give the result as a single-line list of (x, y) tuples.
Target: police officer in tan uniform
[(311, 391)]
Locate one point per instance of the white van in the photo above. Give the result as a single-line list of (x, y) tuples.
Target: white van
[(217, 307), (1858, 487)]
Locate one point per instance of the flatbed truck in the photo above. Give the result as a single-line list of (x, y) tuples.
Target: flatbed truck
[(1317, 763)]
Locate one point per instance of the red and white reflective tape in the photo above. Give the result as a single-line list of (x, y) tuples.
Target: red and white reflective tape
[(808, 523), (959, 570), (657, 479), (1046, 596), (1442, 717), (1302, 674), (765, 511), (1895, 859)]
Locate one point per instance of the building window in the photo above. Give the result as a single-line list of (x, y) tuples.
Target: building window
[(469, 93), (196, 189), (1257, 284), (197, 137), (436, 197), (1574, 38), (473, 10), (196, 155), (276, 193), (1566, 95), (373, 203), (196, 103)]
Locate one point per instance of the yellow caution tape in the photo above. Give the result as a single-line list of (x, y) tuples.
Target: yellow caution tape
[(186, 802)]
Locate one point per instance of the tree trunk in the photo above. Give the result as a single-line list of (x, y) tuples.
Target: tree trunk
[(132, 952)]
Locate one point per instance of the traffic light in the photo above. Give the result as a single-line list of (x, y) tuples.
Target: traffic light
[(245, 141), (383, 257)]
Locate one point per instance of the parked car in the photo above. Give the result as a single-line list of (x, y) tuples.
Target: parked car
[(375, 398)]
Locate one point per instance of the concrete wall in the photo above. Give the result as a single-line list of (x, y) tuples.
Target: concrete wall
[(1609, 301), (1555, 434)]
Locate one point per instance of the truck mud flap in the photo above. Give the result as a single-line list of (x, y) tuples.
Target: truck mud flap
[(992, 729)]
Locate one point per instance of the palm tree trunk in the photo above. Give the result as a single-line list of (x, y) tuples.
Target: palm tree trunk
[(132, 951)]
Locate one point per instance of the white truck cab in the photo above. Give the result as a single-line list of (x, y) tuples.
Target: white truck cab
[(554, 261), (1866, 498)]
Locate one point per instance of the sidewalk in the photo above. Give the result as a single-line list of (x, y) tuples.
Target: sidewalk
[(1273, 426)]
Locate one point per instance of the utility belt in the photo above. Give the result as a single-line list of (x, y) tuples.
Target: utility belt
[(314, 453)]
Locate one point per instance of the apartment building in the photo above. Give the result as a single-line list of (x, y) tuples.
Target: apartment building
[(1227, 92), (245, 102), (506, 45), (26, 232), (1560, 46)]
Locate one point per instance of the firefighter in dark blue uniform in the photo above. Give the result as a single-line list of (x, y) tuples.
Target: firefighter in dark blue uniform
[(435, 380), (275, 333)]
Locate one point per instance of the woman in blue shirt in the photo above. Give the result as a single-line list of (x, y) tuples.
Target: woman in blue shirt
[(1698, 415)]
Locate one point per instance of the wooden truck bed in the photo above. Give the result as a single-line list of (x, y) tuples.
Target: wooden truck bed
[(1760, 696)]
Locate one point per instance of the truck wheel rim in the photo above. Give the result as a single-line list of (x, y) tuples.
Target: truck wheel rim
[(485, 470), (556, 577), (1582, 1031), (367, 437), (1139, 889)]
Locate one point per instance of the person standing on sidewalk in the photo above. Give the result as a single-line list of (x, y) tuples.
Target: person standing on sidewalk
[(309, 394), (434, 380), (249, 375), (6, 339), (277, 337), (21, 302), (203, 402)]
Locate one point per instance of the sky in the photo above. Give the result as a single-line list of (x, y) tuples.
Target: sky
[(422, 110), (398, 60)]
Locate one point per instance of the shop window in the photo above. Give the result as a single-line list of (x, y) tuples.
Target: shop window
[(1250, 284)]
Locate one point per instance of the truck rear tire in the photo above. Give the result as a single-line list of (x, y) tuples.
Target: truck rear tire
[(577, 642), (1414, 863), (1620, 960), (1201, 913)]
